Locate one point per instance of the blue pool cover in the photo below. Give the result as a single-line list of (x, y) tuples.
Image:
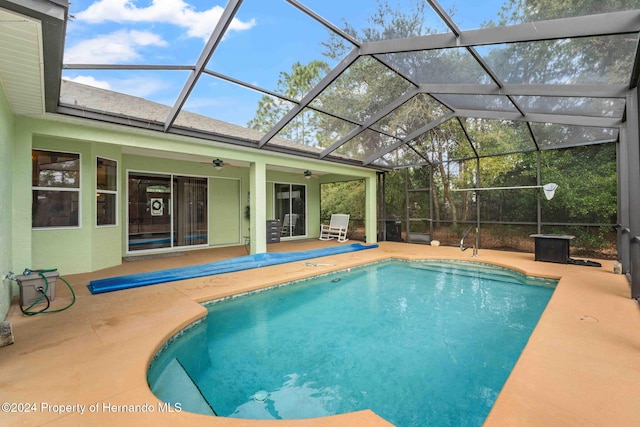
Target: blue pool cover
[(227, 266)]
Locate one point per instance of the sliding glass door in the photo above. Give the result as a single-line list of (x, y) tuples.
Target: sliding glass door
[(166, 211), (190, 211), (291, 209)]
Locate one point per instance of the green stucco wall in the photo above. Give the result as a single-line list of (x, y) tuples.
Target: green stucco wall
[(6, 153), (91, 248), (68, 249), (226, 214), (105, 240)]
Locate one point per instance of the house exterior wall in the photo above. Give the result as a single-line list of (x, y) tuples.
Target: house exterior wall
[(227, 224), (105, 240), (89, 247), (68, 249), (226, 219), (6, 153)]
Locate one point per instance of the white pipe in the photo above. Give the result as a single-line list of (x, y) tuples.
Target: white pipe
[(497, 188), (549, 189)]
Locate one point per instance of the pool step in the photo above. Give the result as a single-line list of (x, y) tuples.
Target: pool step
[(175, 385), (481, 271)]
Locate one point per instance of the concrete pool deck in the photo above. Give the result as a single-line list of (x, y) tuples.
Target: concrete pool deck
[(581, 366)]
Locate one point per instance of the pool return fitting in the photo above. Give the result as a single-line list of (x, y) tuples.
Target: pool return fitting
[(37, 286)]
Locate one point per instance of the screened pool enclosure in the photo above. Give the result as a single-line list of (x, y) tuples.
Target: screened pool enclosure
[(440, 97)]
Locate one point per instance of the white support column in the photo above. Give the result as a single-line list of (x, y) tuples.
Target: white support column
[(258, 205), (371, 219)]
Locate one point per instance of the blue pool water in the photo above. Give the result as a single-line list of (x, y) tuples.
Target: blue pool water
[(419, 343)]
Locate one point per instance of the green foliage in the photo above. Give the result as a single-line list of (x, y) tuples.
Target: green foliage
[(344, 198), (518, 11), (385, 23), (293, 85), (588, 241), (601, 59), (587, 184), (395, 194)]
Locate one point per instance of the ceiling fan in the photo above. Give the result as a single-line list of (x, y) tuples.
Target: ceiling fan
[(218, 164), (308, 174)]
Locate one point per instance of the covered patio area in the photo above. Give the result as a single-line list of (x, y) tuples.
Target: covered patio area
[(579, 367)]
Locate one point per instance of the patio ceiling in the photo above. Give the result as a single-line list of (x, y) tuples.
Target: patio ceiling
[(391, 98)]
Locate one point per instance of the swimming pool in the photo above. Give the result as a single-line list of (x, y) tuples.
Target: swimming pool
[(419, 343)]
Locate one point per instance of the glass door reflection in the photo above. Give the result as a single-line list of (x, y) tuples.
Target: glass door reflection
[(290, 209)]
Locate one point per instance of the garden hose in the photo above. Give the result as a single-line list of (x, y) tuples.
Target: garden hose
[(44, 294)]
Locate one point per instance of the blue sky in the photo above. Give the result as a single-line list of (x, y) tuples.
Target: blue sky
[(266, 37)]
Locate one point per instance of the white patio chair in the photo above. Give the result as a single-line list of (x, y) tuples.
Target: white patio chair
[(337, 228), (289, 224)]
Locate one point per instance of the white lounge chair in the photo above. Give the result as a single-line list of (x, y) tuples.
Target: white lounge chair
[(337, 228), (289, 224)]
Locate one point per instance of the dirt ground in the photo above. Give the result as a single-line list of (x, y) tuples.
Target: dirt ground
[(514, 238)]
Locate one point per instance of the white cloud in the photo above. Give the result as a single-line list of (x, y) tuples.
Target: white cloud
[(142, 87), (176, 12), (90, 81), (118, 47)]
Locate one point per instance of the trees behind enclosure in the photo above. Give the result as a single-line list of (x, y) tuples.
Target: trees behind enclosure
[(584, 205), (467, 152)]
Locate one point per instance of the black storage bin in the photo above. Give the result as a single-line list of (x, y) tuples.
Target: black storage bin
[(394, 231), (552, 247)]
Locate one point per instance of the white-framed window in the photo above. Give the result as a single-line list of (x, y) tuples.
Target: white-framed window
[(55, 177), (106, 192)]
